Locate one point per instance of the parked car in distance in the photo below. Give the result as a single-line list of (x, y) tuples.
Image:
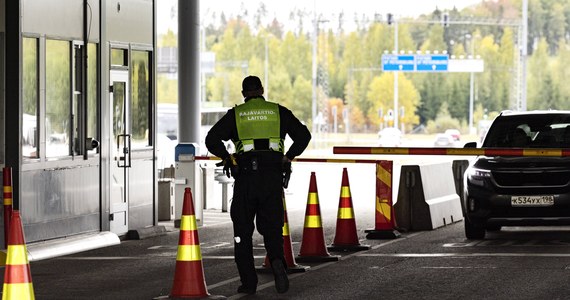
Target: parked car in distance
[(522, 190), (444, 140), (390, 137), (454, 133)]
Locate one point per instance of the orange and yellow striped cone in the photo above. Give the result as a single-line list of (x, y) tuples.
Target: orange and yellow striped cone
[(346, 238), (7, 180), (385, 227), (292, 266), (313, 247), (189, 279), (17, 275)]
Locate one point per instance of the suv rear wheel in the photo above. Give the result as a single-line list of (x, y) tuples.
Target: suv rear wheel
[(473, 231)]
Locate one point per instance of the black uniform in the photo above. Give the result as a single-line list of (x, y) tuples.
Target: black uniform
[(258, 188)]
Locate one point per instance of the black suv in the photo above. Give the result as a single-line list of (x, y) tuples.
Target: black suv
[(519, 191)]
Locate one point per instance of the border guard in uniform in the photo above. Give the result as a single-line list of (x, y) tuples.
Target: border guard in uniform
[(261, 169)]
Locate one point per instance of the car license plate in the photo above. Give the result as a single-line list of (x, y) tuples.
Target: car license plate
[(532, 200)]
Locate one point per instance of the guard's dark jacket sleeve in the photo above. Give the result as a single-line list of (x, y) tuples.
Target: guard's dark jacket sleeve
[(223, 130), (298, 132)]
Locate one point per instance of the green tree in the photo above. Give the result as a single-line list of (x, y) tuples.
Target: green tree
[(169, 39), (555, 26), (443, 121), (536, 23), (301, 100), (381, 95), (538, 68), (490, 91), (561, 73)]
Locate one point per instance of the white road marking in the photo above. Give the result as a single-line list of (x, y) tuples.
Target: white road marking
[(313, 268), (420, 255), (508, 243), (459, 267), (100, 258)]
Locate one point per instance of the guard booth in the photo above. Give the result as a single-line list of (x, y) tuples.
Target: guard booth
[(78, 115)]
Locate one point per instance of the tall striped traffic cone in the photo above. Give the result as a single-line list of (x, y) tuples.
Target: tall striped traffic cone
[(313, 247), (17, 275), (292, 266), (7, 181), (346, 238), (385, 227), (189, 279)]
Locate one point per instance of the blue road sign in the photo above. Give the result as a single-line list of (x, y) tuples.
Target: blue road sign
[(393, 62), (432, 62)]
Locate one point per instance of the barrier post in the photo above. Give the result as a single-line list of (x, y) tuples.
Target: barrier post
[(7, 179), (385, 221)]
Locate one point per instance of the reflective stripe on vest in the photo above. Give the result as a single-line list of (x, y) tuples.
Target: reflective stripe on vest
[(258, 119)]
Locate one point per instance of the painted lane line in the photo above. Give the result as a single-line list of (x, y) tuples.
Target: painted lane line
[(225, 257), (313, 268), (100, 258), (216, 245), (459, 267), (421, 255)]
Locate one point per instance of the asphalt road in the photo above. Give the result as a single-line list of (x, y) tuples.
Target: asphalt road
[(515, 263)]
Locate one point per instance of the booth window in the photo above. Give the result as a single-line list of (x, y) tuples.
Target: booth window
[(119, 57), (92, 92), (30, 98), (84, 105), (58, 98), (140, 97)]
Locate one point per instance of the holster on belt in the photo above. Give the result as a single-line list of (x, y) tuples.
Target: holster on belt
[(287, 170)]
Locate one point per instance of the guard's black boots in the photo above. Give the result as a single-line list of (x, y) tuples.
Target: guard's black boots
[(280, 274), (246, 290)]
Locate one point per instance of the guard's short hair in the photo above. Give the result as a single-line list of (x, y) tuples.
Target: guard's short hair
[(251, 84)]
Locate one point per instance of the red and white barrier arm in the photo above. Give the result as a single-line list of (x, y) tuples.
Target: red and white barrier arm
[(559, 152), (303, 159)]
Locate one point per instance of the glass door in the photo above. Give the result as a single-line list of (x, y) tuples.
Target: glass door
[(121, 151)]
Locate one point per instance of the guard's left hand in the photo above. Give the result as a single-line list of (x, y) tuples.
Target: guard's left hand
[(230, 166)]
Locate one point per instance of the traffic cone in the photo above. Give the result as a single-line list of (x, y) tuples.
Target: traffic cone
[(292, 266), (385, 227), (313, 247), (17, 275), (189, 279), (346, 238)]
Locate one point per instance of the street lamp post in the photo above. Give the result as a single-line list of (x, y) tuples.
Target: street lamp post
[(316, 22), (314, 74), (523, 54), (266, 67), (396, 75), (471, 83)]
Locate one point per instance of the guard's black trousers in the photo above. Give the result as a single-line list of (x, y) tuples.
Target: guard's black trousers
[(257, 195)]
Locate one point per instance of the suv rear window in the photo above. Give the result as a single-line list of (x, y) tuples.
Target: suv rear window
[(529, 131)]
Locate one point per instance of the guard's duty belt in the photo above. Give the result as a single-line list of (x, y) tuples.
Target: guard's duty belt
[(254, 161)]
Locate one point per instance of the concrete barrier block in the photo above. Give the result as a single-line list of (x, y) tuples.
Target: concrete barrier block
[(427, 197)]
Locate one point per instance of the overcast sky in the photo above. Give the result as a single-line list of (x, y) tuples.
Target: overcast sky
[(328, 8)]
